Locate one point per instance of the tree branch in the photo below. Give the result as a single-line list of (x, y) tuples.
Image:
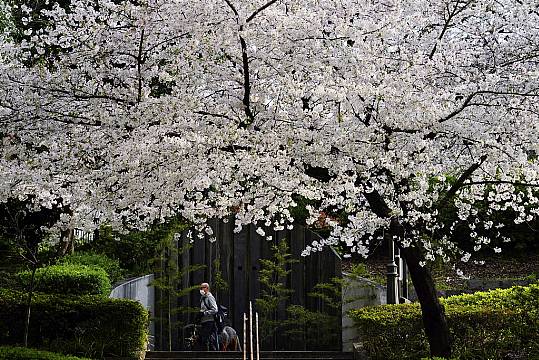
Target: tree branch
[(460, 182), (246, 86), (206, 113), (231, 6), (496, 182), (258, 11), (377, 204), (467, 102), (139, 66), (450, 15)]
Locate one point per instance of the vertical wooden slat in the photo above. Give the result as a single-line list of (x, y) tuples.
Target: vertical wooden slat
[(199, 257), (297, 277), (255, 249), (281, 342), (310, 273), (208, 271), (297, 244), (225, 238), (185, 262), (240, 283)]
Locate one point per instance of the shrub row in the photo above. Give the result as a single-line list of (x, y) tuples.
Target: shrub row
[(21, 353), (111, 266), (485, 325), (85, 325), (69, 279)]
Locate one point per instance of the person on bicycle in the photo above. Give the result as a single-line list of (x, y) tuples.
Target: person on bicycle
[(208, 308)]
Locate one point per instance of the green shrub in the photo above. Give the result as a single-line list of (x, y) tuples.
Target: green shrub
[(69, 279), (21, 353), (111, 266), (486, 325), (525, 298), (85, 325)]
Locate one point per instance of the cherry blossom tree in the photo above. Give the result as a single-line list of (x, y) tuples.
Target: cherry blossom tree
[(387, 111)]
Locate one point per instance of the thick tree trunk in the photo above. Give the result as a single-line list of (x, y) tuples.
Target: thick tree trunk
[(434, 320), (433, 314), (66, 245)]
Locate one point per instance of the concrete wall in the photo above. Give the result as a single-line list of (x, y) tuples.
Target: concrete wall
[(139, 289), (357, 293)]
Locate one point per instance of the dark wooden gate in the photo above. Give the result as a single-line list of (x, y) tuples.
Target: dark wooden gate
[(238, 255)]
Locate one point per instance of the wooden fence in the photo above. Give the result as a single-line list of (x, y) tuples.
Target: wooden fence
[(238, 255)]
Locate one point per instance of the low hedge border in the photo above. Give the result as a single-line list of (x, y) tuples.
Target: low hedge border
[(21, 353), (71, 279), (111, 266), (85, 325), (485, 325)]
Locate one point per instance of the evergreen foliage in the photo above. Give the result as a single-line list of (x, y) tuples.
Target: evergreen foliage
[(84, 325), (21, 353), (111, 266), (495, 324), (274, 292), (69, 279), (307, 329)]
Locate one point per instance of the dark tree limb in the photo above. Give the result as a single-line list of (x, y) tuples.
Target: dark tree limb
[(460, 182), (259, 10), (246, 86), (139, 66), (432, 311)]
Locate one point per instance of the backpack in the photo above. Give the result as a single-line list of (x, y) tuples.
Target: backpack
[(221, 317)]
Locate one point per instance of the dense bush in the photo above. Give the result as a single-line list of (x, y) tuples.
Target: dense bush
[(485, 325), (70, 279), (85, 325), (21, 353), (134, 249), (524, 298), (111, 266)]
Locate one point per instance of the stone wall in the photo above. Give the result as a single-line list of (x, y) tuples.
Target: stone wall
[(139, 289), (357, 293)]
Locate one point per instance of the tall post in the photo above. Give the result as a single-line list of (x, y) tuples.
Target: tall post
[(398, 262), (257, 339), (244, 336), (251, 328), (405, 292), (392, 274)]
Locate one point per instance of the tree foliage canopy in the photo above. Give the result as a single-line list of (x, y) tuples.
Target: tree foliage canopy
[(132, 111)]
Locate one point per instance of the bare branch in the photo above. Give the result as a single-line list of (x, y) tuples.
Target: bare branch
[(164, 42), (267, 5), (499, 182), (246, 85), (231, 6), (468, 101), (450, 15), (460, 182), (139, 66), (206, 113)]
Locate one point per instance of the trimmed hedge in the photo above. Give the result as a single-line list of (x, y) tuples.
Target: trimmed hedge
[(69, 279), (111, 266), (485, 325), (21, 353), (85, 325)]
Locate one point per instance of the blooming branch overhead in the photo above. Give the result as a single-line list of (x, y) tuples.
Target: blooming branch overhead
[(131, 111)]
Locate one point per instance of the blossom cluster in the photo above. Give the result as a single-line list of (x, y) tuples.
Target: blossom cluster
[(133, 111)]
